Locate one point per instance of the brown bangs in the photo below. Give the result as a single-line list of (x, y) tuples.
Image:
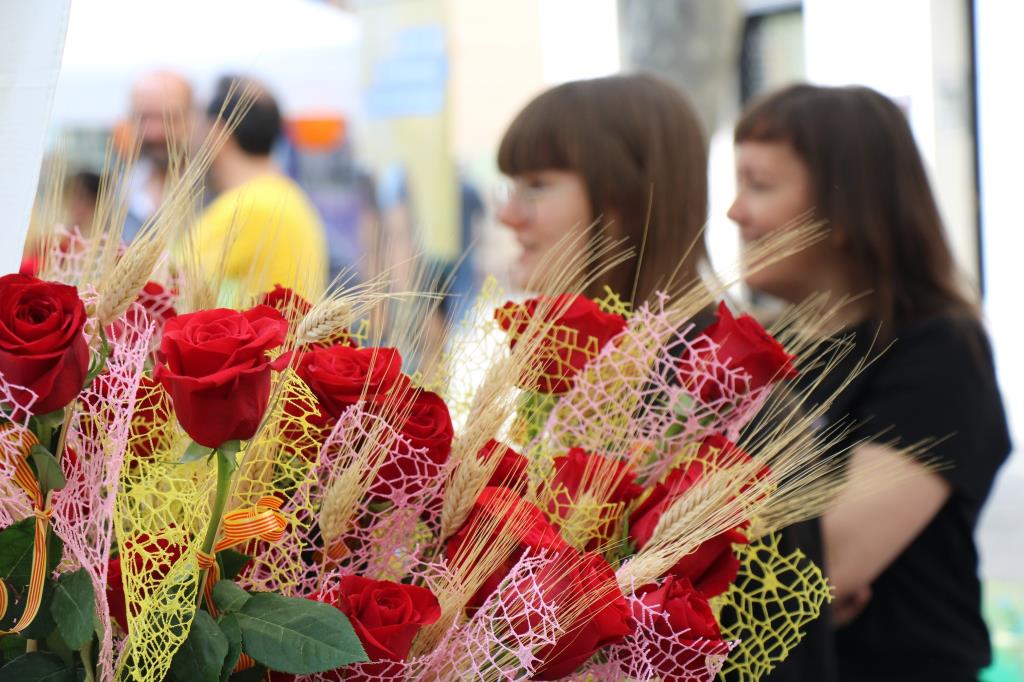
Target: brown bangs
[(543, 135), (774, 118)]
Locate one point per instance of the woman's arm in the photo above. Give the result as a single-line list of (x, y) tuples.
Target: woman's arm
[(866, 530)]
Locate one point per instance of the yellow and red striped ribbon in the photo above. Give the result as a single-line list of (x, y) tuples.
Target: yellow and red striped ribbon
[(264, 522), (26, 480)]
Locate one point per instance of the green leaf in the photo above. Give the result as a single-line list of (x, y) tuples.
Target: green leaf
[(37, 666), (74, 608), (231, 563), (193, 452), (201, 657), (228, 596), (16, 552), (683, 405), (11, 646), (230, 448), (297, 635), (48, 471), (233, 632), (50, 420), (56, 644), (43, 624)]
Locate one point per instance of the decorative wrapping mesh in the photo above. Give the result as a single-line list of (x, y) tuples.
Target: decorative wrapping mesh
[(382, 532), (625, 406), (98, 435), (500, 642), (163, 508), (14, 504), (478, 343), (626, 398), (775, 595), (654, 654)]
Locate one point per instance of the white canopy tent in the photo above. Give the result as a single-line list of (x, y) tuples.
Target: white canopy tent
[(306, 52)]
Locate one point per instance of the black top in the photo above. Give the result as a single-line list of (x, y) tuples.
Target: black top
[(923, 621)]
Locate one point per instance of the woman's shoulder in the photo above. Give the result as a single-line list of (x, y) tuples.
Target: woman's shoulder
[(936, 382), (945, 346)]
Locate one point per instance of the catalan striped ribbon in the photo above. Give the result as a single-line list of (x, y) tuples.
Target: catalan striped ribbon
[(23, 440), (263, 521)]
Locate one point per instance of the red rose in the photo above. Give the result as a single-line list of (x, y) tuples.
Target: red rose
[(42, 348), (426, 424), (216, 370), (149, 427), (294, 307), (304, 426), (158, 302), (606, 620), (611, 484), (686, 628), (150, 418), (510, 471), (151, 558), (498, 511), (340, 376), (712, 566), (285, 301), (385, 615), (157, 307), (744, 344), (578, 331)]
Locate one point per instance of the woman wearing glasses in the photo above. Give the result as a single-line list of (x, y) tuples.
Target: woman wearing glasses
[(622, 156)]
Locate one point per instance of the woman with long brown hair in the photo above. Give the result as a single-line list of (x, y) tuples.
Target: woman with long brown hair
[(902, 562), (622, 156)]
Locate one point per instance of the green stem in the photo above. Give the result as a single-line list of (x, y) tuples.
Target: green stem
[(225, 469)]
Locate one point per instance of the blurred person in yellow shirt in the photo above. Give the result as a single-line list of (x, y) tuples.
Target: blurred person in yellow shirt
[(262, 229)]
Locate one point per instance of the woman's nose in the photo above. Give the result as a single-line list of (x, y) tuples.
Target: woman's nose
[(736, 212), (511, 214)]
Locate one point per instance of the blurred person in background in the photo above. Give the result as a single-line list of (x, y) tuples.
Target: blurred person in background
[(162, 114), (81, 193), (902, 562), (80, 198), (261, 229), (623, 156)]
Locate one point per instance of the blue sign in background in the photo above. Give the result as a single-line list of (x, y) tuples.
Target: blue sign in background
[(412, 80)]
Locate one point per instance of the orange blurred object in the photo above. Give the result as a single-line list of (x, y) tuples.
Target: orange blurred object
[(317, 133), (123, 136)]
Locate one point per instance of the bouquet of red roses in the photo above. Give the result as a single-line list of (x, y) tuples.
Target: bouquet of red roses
[(297, 502), (194, 492)]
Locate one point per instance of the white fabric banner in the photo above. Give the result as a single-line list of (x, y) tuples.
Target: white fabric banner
[(31, 44)]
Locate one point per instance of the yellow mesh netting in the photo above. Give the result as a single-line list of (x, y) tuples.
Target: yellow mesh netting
[(163, 509), (278, 463), (162, 506), (774, 597)]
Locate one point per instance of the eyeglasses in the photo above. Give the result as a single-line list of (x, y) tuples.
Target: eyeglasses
[(521, 192)]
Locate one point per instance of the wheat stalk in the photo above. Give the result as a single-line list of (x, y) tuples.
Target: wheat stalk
[(326, 320)]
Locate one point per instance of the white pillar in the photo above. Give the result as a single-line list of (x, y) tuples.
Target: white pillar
[(31, 44), (1001, 149), (918, 53)]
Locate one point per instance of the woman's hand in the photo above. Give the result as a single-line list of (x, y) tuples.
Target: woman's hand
[(849, 606)]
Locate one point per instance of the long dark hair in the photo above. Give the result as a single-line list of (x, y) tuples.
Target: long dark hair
[(868, 179), (639, 147)]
